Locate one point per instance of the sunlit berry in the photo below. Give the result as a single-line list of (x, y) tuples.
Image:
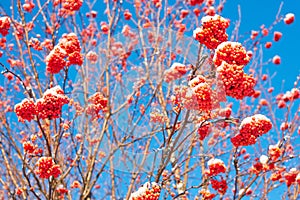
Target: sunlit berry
[(277, 36)]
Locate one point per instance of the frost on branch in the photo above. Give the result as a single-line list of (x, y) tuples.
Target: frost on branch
[(250, 129)]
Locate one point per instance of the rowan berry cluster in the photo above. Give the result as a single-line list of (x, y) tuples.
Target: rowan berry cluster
[(47, 168), (176, 71), (200, 96), (212, 32), (220, 186), (92, 57), (50, 105), (231, 53), (72, 5), (97, 103), (250, 129), (146, 192), (289, 96), (237, 84), (31, 149), (66, 53), (292, 176), (4, 25), (157, 117), (204, 130), (274, 152), (25, 110), (28, 5), (215, 167)]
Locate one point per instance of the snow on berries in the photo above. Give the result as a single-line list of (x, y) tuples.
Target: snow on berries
[(216, 166), (276, 60), (55, 61), (65, 53), (97, 103), (231, 53), (289, 18), (47, 168), (176, 71), (4, 25), (250, 129), (147, 191), (25, 110), (72, 5), (212, 32), (50, 105)]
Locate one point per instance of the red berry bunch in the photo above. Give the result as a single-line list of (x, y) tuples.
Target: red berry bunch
[(274, 152), (200, 96), (66, 53), (231, 53), (290, 177), (4, 25), (206, 195), (28, 5), (146, 192), (55, 61), (250, 129), (92, 57), (47, 168), (157, 117), (30, 148), (216, 166), (204, 130), (97, 103), (220, 186), (50, 105), (25, 110), (70, 43), (72, 5), (176, 71), (237, 84), (213, 31)]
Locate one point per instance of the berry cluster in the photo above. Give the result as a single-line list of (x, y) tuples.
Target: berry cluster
[(220, 186), (237, 84), (176, 71), (231, 53), (289, 96), (200, 96), (157, 117), (274, 152), (215, 167), (213, 31), (97, 103), (25, 110), (146, 192), (72, 5), (28, 5), (92, 57), (66, 53), (30, 148), (50, 105), (55, 61), (204, 130), (47, 168), (291, 177), (4, 25), (250, 129)]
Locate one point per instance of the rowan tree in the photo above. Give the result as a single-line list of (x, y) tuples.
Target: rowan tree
[(141, 100)]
